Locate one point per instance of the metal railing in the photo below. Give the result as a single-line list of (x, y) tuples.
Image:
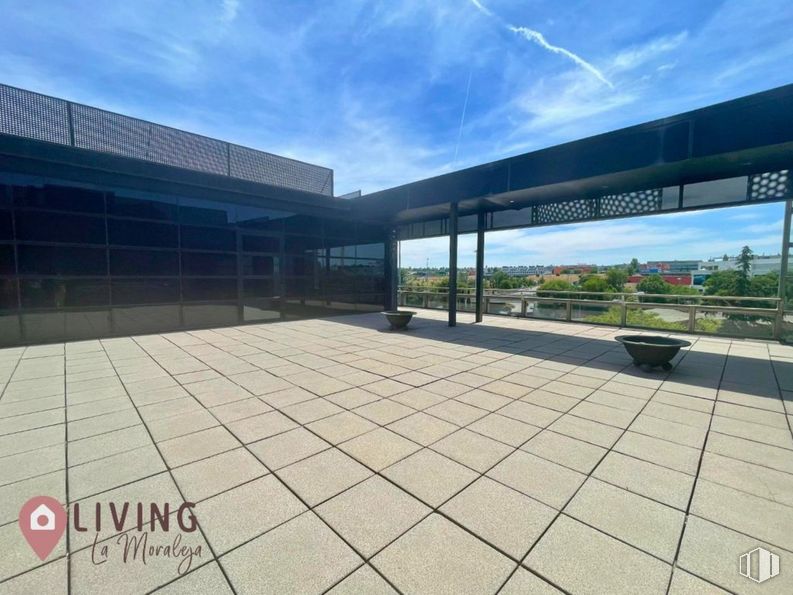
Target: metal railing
[(733, 316), (41, 117)]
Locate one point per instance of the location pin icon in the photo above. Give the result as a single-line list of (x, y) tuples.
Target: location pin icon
[(42, 521)]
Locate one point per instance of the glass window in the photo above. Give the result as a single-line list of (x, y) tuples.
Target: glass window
[(258, 288), (6, 229), (370, 233), (144, 208), (8, 293), (670, 197), (7, 260), (144, 291), (300, 244), (370, 251), (60, 293), (142, 233), (259, 218), (59, 227), (209, 264), (51, 260), (206, 212), (335, 228), (258, 265), (260, 244), (143, 262), (61, 198), (209, 238), (209, 289), (715, 192), (145, 319), (304, 224)]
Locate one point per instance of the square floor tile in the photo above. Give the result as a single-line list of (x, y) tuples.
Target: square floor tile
[(384, 412), (456, 412), (472, 449), (582, 560), (422, 428), (301, 556), (500, 515), (309, 411), (261, 426), (436, 556), (652, 481), (237, 515), (547, 482), (198, 445), (363, 580), (430, 477), (504, 429), (323, 475), (566, 451), (208, 477), (372, 514), (379, 448), (287, 448), (643, 523), (341, 427)]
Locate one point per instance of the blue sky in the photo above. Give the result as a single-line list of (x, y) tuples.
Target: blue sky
[(387, 92)]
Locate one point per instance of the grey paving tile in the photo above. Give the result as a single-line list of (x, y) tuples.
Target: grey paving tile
[(30, 421), (215, 474), (363, 580), (530, 414), (240, 410), (422, 428), (287, 448), (473, 450), (384, 411), (504, 429), (430, 477), (181, 425), (456, 412), (564, 450), (379, 448), (32, 439), (352, 398), (645, 524), (309, 411), (543, 480), (582, 560), (523, 582), (753, 431), (769, 521), (711, 551), (341, 427), (669, 430), (14, 495), (661, 452), (742, 449), (244, 512), (323, 475), (206, 579), (301, 556), (115, 470), (29, 464), (684, 583), (96, 447), (50, 578), (436, 556), (500, 515), (359, 514), (261, 426), (586, 430)]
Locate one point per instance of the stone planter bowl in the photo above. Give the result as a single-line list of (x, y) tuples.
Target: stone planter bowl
[(398, 319), (652, 350)]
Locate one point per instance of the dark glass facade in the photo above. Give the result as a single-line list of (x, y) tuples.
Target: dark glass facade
[(82, 262)]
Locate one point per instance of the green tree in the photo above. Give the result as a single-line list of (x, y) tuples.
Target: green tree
[(597, 285), (654, 284), (617, 278), (722, 283), (633, 267), (744, 269), (554, 285)]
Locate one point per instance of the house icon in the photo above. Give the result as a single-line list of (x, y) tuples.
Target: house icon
[(42, 519)]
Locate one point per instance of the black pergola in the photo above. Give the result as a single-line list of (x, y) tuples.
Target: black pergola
[(729, 154)]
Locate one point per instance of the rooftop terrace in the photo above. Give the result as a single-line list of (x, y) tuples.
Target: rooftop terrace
[(511, 456)]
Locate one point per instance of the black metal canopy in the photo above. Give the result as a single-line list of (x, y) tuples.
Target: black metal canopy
[(741, 137)]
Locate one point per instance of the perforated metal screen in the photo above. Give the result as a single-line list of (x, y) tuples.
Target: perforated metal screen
[(32, 115)]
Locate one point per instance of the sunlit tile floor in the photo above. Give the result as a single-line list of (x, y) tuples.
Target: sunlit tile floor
[(511, 456)]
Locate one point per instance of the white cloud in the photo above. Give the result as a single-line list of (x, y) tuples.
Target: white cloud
[(636, 56)]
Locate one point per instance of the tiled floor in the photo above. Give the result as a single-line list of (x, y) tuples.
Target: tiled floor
[(512, 456)]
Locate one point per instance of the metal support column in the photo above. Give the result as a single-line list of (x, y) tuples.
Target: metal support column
[(453, 264), (391, 270), (480, 264), (783, 272)]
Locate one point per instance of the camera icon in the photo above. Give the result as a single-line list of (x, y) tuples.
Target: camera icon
[(42, 519)]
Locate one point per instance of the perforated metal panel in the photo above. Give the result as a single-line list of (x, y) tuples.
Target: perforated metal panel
[(573, 210), (629, 203), (770, 185), (31, 115)]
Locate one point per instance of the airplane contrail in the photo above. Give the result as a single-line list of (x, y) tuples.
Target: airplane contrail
[(539, 39)]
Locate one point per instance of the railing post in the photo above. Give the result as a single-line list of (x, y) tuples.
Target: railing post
[(426, 298), (779, 320), (623, 313), (523, 307), (692, 318), (569, 310)]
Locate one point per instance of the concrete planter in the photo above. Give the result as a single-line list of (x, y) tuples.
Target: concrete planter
[(652, 350), (398, 319)]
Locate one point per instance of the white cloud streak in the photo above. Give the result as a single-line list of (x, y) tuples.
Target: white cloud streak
[(539, 39)]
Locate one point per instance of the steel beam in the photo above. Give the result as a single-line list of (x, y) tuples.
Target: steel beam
[(480, 264), (453, 264)]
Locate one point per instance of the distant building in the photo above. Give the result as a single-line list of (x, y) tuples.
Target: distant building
[(576, 269), (683, 280), (761, 264), (670, 267)]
